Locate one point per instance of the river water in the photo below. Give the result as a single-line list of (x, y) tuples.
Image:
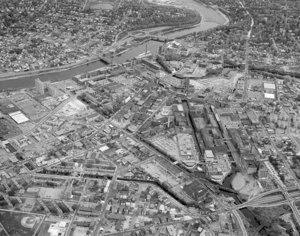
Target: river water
[(210, 19)]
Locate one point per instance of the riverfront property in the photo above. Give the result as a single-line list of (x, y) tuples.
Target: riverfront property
[(152, 46), (185, 129)]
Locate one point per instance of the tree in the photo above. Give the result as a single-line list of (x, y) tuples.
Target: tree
[(63, 163), (11, 192)]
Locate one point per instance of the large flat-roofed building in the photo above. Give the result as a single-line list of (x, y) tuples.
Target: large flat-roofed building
[(186, 144), (269, 86), (218, 166), (187, 149), (209, 156), (269, 90), (253, 117), (18, 117)]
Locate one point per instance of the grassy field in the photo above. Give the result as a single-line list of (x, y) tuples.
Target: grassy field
[(43, 231), (8, 129), (11, 221)]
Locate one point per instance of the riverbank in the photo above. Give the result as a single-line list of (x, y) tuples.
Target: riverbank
[(225, 17), (83, 62), (27, 81), (191, 24), (210, 18)]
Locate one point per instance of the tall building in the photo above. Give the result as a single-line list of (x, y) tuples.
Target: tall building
[(40, 86), (52, 90)]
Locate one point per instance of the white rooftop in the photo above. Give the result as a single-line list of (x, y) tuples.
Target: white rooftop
[(209, 153), (104, 148), (57, 229), (18, 117), (269, 85), (180, 107), (270, 95)]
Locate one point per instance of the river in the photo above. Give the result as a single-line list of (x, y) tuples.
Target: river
[(210, 18)]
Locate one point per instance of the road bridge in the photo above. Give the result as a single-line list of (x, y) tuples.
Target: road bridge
[(270, 201)]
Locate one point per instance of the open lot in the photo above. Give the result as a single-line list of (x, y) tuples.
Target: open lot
[(29, 106), (163, 175), (8, 129), (19, 224)]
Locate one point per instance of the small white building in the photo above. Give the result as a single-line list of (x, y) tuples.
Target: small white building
[(269, 96), (209, 156), (58, 229)]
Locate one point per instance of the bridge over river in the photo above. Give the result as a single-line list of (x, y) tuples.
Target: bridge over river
[(211, 18)]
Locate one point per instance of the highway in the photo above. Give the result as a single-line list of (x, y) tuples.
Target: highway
[(269, 201), (277, 190), (262, 200), (240, 221), (114, 177), (293, 207), (108, 195), (274, 192), (285, 190)]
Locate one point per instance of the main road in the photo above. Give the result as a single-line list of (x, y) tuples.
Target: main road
[(283, 188), (248, 37), (104, 205), (240, 221)]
